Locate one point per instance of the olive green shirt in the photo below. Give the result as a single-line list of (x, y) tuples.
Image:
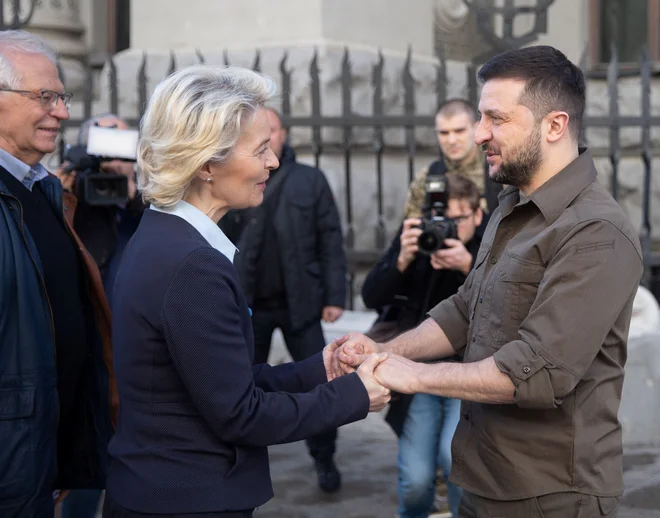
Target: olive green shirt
[(550, 298)]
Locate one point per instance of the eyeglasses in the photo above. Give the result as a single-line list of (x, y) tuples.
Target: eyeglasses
[(48, 98)]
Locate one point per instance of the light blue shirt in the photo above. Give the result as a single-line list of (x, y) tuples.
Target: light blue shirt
[(25, 174), (204, 225)]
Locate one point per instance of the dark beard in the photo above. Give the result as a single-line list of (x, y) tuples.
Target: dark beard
[(521, 169)]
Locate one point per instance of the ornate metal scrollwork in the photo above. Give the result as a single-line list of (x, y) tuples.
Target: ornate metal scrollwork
[(486, 12)]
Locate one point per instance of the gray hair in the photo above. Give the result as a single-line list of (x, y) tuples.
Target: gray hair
[(83, 131), (20, 42), (193, 118)]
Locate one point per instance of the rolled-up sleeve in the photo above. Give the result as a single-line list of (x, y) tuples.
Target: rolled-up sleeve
[(587, 284)]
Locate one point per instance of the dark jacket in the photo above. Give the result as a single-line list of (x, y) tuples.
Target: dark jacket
[(28, 388), (105, 230), (196, 417), (405, 298), (310, 242)]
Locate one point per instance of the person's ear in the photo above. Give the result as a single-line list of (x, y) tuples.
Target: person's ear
[(205, 174), (478, 216), (557, 125)]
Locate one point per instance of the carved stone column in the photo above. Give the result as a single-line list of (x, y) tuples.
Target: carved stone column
[(59, 22)]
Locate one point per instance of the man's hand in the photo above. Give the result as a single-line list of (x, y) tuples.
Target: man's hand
[(331, 364), (353, 349), (379, 396), (455, 257), (409, 248), (331, 313), (68, 180), (399, 374)]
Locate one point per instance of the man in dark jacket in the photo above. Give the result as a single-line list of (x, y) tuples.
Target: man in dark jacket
[(55, 353), (403, 286), (293, 270)]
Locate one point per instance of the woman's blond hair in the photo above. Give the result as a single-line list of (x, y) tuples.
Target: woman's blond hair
[(194, 117)]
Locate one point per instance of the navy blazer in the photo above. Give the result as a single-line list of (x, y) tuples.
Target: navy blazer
[(195, 417)]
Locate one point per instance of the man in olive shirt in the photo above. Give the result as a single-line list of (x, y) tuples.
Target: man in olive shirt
[(542, 321)]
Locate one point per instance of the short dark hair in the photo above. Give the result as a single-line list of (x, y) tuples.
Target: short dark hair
[(452, 107), (552, 82), (460, 187)]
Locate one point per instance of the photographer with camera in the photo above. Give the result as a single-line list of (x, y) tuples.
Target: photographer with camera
[(100, 171), (426, 263)]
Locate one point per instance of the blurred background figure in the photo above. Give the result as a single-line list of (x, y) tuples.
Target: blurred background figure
[(106, 221), (405, 284), (292, 267)]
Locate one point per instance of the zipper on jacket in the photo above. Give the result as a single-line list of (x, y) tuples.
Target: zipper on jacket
[(43, 287)]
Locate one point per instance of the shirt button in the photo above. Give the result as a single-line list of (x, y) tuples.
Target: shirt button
[(481, 299), (466, 416), (526, 369), (493, 260)]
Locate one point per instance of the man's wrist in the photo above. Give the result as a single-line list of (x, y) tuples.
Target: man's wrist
[(465, 269), (402, 264), (422, 381)]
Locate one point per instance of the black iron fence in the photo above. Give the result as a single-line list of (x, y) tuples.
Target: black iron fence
[(411, 121)]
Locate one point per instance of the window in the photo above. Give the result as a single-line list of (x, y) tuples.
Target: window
[(629, 25)]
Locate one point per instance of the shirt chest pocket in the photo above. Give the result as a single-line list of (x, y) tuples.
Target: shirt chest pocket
[(514, 291)]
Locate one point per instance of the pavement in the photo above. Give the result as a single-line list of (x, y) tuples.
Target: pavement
[(366, 457)]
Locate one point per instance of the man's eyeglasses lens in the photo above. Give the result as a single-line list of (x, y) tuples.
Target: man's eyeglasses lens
[(49, 99)]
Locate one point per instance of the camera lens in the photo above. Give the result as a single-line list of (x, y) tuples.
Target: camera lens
[(428, 241)]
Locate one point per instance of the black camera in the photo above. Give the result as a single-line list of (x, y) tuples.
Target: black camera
[(436, 227), (94, 186)]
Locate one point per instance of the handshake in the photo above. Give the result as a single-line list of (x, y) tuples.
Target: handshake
[(380, 372)]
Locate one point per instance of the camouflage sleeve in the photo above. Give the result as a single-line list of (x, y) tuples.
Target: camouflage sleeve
[(416, 194)]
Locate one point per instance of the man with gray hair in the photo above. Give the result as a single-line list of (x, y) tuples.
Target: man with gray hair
[(56, 377)]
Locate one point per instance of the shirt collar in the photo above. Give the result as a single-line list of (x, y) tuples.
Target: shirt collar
[(25, 174), (204, 225), (555, 195)]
